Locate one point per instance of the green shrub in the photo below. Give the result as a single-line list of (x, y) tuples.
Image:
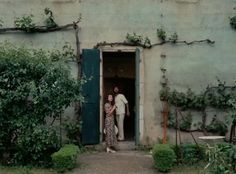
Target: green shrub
[(35, 86), (36, 145), (65, 158), (164, 157), (222, 158), (73, 131), (232, 157), (186, 122), (192, 153), (189, 153), (217, 126)]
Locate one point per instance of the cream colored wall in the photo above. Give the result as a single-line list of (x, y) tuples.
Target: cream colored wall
[(193, 66)]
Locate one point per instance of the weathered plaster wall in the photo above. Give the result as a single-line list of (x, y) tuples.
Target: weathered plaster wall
[(193, 66)]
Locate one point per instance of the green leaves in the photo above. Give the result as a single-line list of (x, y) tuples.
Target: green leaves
[(33, 87), (138, 40), (221, 97), (1, 23), (232, 104), (65, 158), (173, 38), (188, 100), (217, 126), (233, 22), (73, 130), (37, 144), (164, 157), (49, 22), (161, 34), (25, 22), (221, 158)]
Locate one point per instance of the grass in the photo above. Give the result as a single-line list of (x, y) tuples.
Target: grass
[(187, 170), (198, 168), (181, 169), (25, 170)]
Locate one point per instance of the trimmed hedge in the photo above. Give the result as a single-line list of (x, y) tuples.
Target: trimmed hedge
[(164, 157), (65, 158)]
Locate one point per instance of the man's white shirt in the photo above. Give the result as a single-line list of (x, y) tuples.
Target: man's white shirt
[(120, 102)]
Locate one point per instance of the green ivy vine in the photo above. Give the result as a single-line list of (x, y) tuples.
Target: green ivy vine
[(49, 21), (217, 97), (184, 124), (27, 24), (138, 40), (233, 22), (161, 34), (1, 23), (188, 100), (217, 126), (220, 96)]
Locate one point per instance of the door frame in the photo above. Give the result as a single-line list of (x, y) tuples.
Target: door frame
[(139, 121)]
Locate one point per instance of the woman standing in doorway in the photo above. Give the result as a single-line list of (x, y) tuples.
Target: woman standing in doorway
[(110, 136)]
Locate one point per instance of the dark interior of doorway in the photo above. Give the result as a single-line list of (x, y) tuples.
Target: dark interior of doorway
[(119, 70)]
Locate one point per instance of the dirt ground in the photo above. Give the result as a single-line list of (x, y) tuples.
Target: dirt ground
[(122, 162)]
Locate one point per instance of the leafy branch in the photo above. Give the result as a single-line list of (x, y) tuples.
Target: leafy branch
[(49, 22), (220, 96), (138, 40), (233, 22), (41, 29), (26, 24), (1, 23), (125, 43), (161, 34)]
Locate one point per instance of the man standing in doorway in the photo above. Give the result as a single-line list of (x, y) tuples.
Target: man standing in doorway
[(121, 105)]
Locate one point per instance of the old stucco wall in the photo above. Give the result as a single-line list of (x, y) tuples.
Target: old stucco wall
[(193, 66)]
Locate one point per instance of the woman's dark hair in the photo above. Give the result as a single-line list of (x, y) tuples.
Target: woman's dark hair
[(113, 101)]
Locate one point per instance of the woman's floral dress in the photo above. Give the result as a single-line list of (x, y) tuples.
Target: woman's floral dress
[(110, 136)]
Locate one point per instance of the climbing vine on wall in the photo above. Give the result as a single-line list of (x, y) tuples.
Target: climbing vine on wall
[(220, 97), (1, 23), (217, 126), (233, 22), (49, 21), (27, 24), (214, 96), (138, 40)]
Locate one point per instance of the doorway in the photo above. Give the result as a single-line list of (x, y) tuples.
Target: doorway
[(119, 70)]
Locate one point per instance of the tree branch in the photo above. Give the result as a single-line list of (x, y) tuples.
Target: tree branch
[(152, 45), (40, 29)]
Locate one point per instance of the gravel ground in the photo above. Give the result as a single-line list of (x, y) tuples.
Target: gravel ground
[(122, 162)]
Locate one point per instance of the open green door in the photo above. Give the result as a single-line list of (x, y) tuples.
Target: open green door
[(90, 109), (137, 94)]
